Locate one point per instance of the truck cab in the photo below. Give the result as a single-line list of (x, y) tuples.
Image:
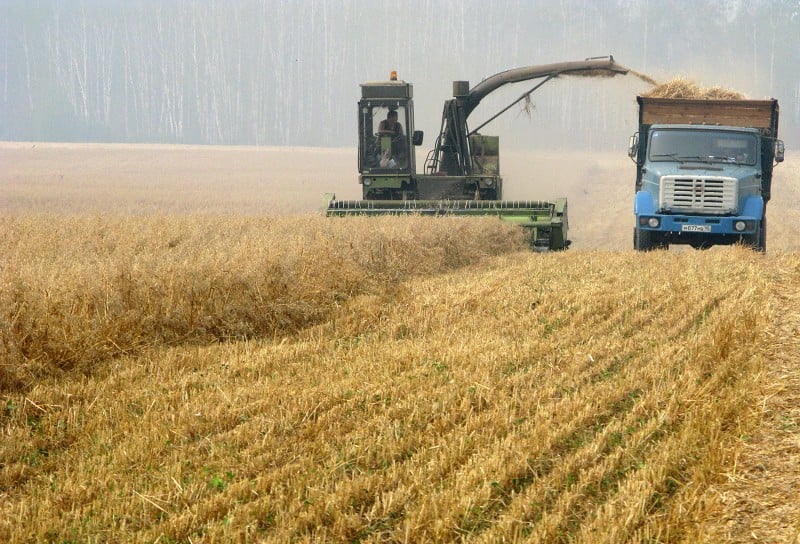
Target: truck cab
[(703, 183)]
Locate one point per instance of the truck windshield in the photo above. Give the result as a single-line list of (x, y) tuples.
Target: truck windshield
[(383, 138), (703, 146)]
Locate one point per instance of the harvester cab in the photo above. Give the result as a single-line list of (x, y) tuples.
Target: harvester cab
[(462, 171), (386, 158)]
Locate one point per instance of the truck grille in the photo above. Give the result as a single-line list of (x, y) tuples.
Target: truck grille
[(707, 194)]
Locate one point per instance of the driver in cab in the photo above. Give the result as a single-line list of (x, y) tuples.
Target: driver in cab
[(390, 126), (392, 152)]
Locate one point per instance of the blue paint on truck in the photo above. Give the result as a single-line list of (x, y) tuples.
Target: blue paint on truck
[(704, 171)]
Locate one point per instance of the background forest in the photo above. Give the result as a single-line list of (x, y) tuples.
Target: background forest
[(286, 73)]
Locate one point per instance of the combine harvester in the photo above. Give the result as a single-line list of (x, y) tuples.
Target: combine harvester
[(462, 171)]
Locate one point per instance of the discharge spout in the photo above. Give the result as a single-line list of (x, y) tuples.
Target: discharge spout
[(594, 67)]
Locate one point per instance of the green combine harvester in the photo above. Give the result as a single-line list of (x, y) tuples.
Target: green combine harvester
[(462, 172)]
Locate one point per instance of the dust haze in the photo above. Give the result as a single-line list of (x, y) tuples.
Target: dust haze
[(246, 180), (253, 103), (286, 73)]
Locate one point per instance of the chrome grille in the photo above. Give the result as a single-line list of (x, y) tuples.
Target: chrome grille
[(708, 194)]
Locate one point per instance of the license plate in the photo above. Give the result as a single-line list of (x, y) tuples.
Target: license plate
[(696, 228)]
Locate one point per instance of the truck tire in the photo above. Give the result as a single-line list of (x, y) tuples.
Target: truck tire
[(761, 241), (758, 240), (643, 240)]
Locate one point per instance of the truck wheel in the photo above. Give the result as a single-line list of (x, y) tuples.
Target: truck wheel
[(758, 240), (643, 240), (761, 245)]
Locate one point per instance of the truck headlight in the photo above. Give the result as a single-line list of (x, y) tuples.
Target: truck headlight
[(739, 225), (653, 222), (367, 182)]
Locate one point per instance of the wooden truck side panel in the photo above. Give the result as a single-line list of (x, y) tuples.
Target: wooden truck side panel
[(760, 114)]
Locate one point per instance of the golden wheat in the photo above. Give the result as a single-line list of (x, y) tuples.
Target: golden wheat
[(75, 291), (684, 88), (586, 397)]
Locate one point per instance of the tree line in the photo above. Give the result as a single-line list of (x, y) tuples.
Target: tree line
[(279, 72)]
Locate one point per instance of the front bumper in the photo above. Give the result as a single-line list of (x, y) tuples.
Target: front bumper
[(695, 224)]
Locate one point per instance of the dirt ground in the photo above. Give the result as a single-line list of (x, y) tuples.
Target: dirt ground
[(143, 179)]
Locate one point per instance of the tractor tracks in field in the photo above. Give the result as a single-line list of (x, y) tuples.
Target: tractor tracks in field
[(759, 497)]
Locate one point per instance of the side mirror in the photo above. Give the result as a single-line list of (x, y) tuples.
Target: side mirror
[(779, 150), (416, 139), (633, 146)]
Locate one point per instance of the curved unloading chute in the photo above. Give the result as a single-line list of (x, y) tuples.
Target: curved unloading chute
[(605, 66), (452, 144)]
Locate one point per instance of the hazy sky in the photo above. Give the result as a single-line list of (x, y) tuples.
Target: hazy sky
[(275, 72)]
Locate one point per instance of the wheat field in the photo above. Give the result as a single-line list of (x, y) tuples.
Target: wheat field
[(208, 375)]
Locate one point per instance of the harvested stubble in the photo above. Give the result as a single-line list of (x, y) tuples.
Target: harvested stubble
[(684, 88), (586, 397), (78, 291)]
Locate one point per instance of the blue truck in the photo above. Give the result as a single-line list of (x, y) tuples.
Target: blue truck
[(703, 171)]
